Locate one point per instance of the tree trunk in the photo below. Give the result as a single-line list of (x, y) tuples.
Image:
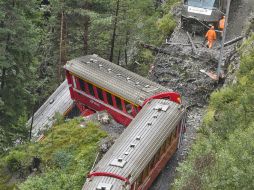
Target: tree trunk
[(125, 48), (85, 35), (119, 57), (114, 32), (62, 47), (4, 69), (155, 49), (3, 78)]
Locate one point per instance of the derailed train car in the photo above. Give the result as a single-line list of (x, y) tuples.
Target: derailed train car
[(143, 149), (196, 14), (96, 84)]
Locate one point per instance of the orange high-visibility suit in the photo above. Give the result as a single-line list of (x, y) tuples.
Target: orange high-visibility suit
[(211, 37), (222, 23)]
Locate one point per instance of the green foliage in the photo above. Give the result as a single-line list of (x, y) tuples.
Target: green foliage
[(15, 161), (142, 61), (62, 159), (59, 118), (18, 44), (166, 24), (30, 65), (226, 135), (169, 4), (66, 154)]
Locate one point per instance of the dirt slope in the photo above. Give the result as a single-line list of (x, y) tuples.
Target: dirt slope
[(180, 71)]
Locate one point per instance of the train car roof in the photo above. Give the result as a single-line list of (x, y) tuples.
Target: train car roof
[(114, 78), (60, 101), (138, 144)]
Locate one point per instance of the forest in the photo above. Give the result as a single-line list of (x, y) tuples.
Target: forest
[(38, 37)]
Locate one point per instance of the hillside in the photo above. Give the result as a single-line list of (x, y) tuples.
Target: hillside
[(60, 161), (222, 155), (38, 38)]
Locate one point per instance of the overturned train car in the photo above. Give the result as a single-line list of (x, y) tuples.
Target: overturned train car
[(96, 84)]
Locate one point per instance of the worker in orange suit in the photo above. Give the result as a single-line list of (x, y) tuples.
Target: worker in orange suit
[(222, 25), (211, 37)]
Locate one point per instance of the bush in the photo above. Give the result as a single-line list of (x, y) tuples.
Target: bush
[(16, 161), (62, 158), (66, 155), (227, 135), (166, 24)]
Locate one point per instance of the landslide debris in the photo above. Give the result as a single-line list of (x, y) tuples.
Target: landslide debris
[(179, 69)]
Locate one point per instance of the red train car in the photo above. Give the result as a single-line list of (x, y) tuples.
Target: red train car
[(97, 84), (143, 149)]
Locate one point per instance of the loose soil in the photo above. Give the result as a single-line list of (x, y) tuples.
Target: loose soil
[(180, 71)]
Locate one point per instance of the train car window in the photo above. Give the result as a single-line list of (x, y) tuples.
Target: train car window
[(135, 109), (161, 151), (157, 157), (100, 94), (152, 162), (74, 81), (139, 180), (150, 165), (207, 4), (145, 174), (164, 147), (128, 107), (169, 140), (109, 98), (174, 133), (90, 88), (118, 103), (82, 85)]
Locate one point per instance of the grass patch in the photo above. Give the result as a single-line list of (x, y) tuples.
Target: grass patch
[(60, 161)]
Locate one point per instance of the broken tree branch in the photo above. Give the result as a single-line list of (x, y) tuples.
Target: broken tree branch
[(154, 48), (194, 49)]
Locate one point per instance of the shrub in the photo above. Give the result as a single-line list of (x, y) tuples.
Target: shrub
[(227, 135), (66, 155), (166, 24)]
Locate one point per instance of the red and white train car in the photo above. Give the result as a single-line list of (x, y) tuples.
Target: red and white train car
[(142, 151), (97, 84)]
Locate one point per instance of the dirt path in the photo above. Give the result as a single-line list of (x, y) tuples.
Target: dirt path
[(180, 71)]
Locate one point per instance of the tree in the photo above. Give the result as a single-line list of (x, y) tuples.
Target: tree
[(18, 43)]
